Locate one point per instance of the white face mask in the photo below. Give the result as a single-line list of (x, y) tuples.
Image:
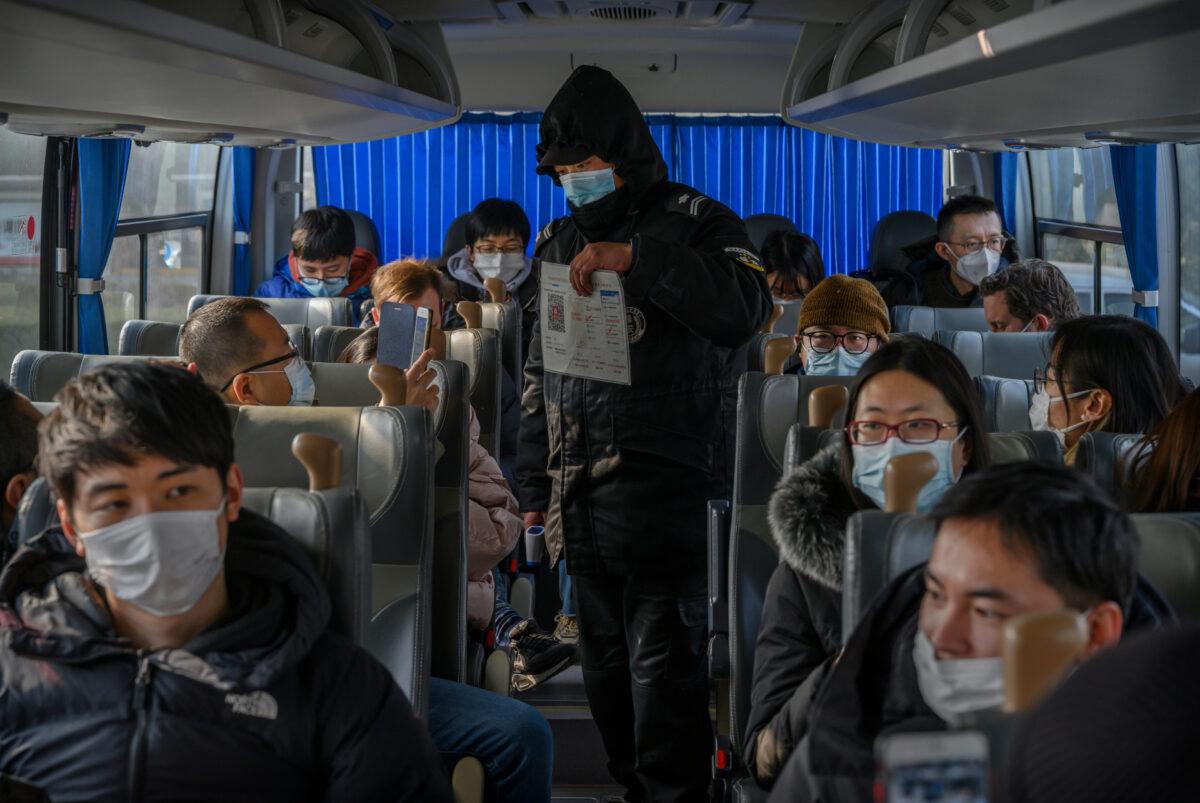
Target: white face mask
[(1039, 414), (955, 687), (499, 265), (977, 266), (161, 562)]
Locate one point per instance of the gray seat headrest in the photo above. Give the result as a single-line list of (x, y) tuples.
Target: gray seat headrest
[(761, 226), (893, 233), (365, 234)]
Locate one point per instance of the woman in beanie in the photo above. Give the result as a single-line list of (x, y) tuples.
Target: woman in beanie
[(842, 323), (911, 395)]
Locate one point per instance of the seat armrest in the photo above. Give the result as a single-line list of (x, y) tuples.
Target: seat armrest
[(719, 514)]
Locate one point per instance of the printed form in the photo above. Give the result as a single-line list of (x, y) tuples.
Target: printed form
[(584, 336)]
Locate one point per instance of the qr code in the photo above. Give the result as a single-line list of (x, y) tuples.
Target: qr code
[(556, 320)]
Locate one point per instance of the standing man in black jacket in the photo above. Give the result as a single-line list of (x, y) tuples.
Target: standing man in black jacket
[(622, 473)]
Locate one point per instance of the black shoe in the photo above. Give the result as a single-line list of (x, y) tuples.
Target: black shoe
[(537, 655)]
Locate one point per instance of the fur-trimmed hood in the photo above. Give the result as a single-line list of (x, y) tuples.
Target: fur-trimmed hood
[(808, 514)]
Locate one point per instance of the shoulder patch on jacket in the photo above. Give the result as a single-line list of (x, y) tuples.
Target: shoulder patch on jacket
[(747, 258), (688, 203)]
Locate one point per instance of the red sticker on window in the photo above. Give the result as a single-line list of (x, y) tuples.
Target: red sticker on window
[(30, 227)]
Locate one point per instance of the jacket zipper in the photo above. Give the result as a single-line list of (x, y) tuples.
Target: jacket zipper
[(141, 692)]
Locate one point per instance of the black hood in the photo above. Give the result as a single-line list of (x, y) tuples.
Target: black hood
[(278, 608), (594, 112)]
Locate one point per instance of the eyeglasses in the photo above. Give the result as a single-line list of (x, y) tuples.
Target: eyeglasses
[(488, 248), (254, 368), (971, 246), (1041, 378), (915, 430), (852, 342)]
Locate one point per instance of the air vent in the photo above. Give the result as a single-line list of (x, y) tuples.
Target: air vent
[(962, 15), (997, 6), (620, 12)]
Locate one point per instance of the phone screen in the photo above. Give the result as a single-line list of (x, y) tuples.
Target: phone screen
[(942, 781), (420, 335)]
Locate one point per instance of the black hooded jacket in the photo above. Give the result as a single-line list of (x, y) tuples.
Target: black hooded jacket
[(266, 704), (872, 691), (625, 472)]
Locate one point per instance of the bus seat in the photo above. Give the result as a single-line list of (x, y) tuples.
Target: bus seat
[(330, 341), (41, 374), (761, 226), (1169, 557), (365, 234), (142, 338), (310, 312), (334, 528), (924, 321), (479, 351), (894, 232), (879, 547), (505, 318), (455, 239), (1014, 447), (1105, 456), (803, 442), (1005, 402), (756, 353), (1014, 355)]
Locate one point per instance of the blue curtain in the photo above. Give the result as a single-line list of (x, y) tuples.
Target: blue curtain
[(835, 189), (1135, 168), (243, 209), (102, 164), (1004, 170)]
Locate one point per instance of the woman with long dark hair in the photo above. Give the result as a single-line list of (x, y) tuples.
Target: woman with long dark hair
[(912, 395), (793, 264), (1165, 475)]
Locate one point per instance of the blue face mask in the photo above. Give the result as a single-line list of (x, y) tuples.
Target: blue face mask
[(304, 390), (838, 362), (587, 186), (325, 288), (870, 461)]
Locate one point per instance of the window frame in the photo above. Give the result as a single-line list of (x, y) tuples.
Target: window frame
[(142, 228), (1089, 232)]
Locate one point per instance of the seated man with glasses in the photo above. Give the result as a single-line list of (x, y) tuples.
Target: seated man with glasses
[(970, 247), (242, 352), (1015, 539), (842, 323)]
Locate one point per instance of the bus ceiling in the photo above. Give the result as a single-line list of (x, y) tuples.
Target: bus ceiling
[(968, 74)]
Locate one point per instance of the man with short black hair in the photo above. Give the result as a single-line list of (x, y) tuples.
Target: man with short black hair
[(18, 451), (324, 261), (970, 246), (242, 352), (1013, 539), (1030, 296), (167, 643)]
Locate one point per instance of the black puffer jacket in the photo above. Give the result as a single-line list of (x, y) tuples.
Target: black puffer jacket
[(266, 704), (872, 691), (801, 626), (625, 472)]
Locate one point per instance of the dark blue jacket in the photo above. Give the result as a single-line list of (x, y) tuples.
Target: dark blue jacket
[(284, 285), (266, 704)]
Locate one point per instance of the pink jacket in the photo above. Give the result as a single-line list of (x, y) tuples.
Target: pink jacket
[(494, 525)]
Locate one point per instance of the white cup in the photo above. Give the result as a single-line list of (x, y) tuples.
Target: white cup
[(535, 543)]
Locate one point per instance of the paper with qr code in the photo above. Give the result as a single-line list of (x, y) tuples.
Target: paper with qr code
[(584, 336)]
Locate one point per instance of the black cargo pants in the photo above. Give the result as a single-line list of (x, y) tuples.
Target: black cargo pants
[(642, 647)]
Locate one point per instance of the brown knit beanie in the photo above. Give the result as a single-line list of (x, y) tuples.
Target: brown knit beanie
[(838, 300)]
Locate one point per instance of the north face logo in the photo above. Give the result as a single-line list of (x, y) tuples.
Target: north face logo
[(255, 704)]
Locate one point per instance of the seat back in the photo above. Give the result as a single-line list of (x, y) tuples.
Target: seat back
[(925, 321), (505, 318), (334, 528), (1012, 355), (330, 341), (803, 442), (756, 353), (1106, 457), (1169, 557), (144, 338), (310, 312), (340, 384), (879, 547), (479, 351), (761, 226), (892, 234), (455, 239), (1015, 447), (365, 234), (450, 521), (41, 374), (1005, 402)]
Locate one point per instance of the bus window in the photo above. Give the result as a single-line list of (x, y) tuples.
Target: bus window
[(161, 247), (22, 160), (1188, 159), (1079, 227), (308, 179)]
